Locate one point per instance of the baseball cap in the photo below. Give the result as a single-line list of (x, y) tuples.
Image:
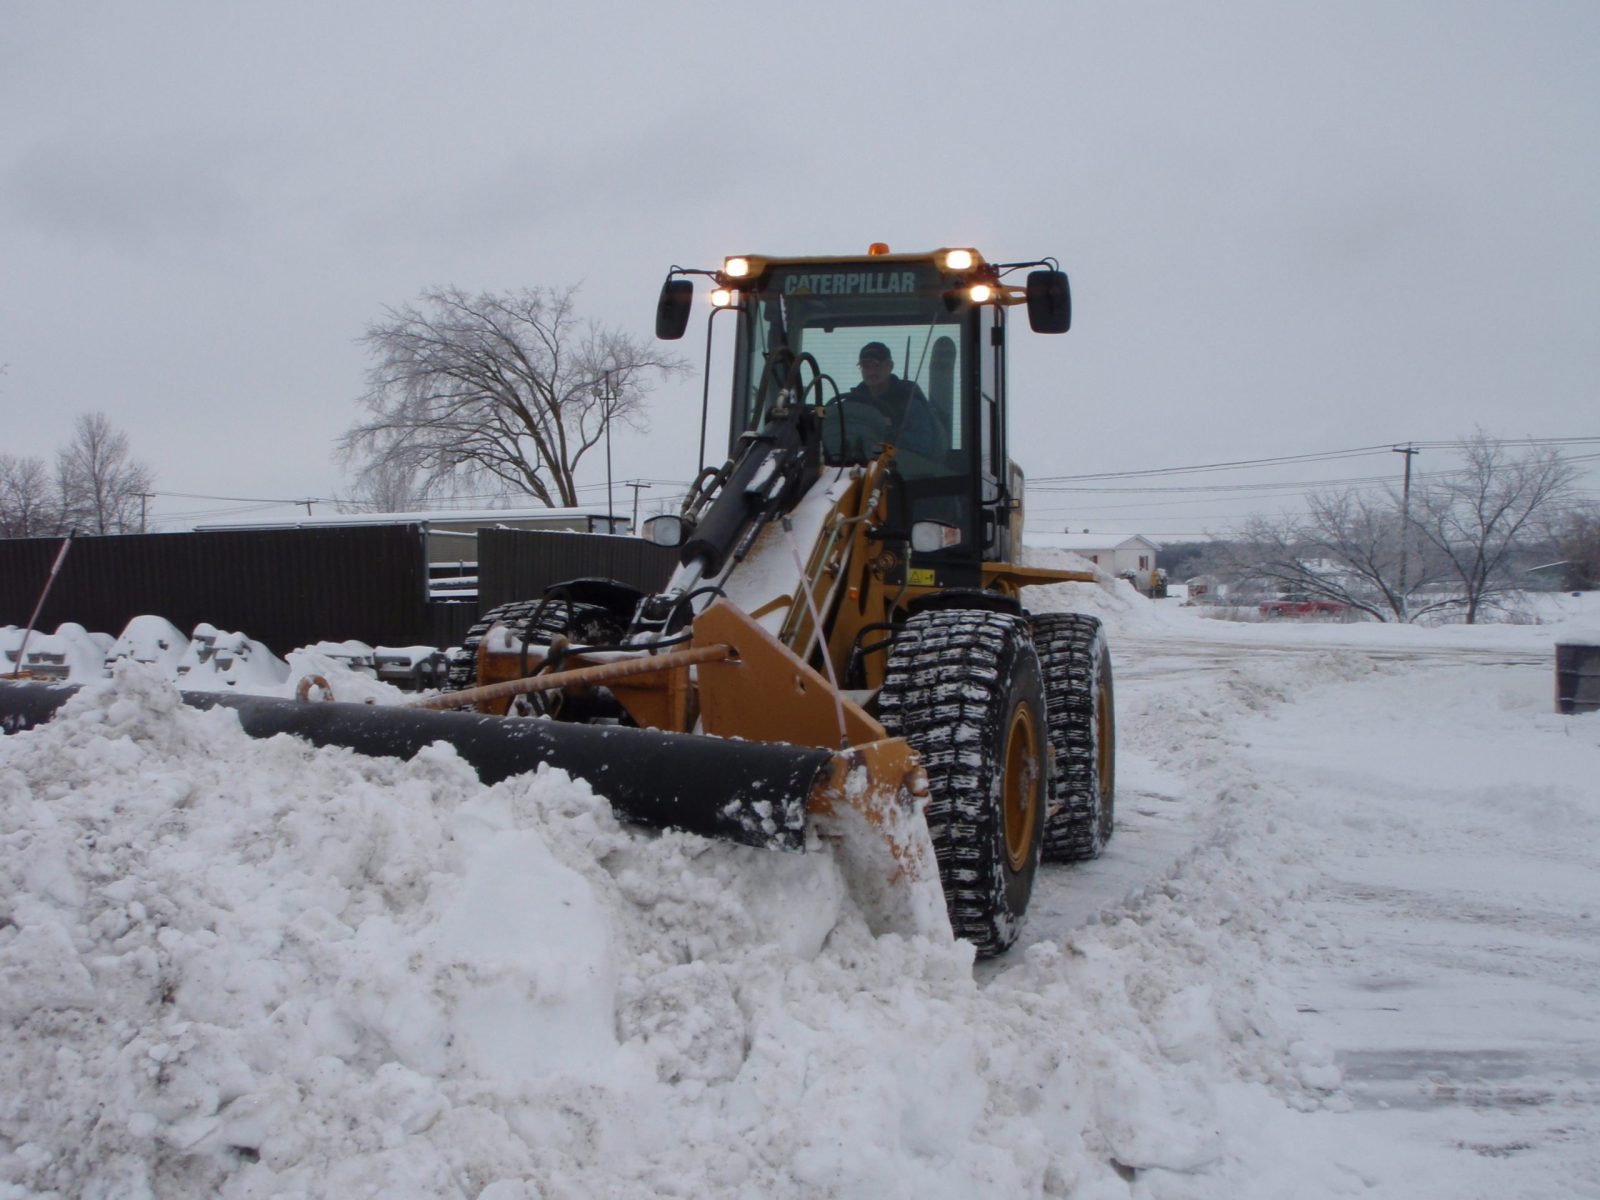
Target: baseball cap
[(876, 350)]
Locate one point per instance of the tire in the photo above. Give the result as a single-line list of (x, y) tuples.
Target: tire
[(1082, 720), (582, 622), (964, 688)]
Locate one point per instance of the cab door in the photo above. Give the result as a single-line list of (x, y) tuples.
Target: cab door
[(994, 499)]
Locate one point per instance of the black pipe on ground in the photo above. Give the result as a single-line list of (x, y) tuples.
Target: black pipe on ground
[(753, 793)]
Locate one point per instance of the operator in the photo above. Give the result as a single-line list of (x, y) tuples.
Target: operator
[(912, 424)]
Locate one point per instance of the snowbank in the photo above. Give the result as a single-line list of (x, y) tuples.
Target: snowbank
[(245, 968), (249, 968)]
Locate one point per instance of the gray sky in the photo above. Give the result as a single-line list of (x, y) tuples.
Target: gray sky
[(1290, 227)]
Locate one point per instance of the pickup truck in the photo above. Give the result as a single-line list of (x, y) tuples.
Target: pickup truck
[(1300, 605)]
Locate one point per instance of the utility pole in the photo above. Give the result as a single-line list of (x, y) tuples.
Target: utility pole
[(1410, 452), (635, 485), (605, 411)]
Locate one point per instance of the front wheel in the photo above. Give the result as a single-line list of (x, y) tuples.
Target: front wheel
[(963, 687)]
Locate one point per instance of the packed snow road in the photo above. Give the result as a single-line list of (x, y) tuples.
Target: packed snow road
[(1341, 945), (1446, 947)]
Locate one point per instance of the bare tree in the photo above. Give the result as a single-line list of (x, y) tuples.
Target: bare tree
[(386, 485), (1346, 548), (510, 388), (1466, 529), (1578, 543), (101, 488), (28, 506), (1475, 519)]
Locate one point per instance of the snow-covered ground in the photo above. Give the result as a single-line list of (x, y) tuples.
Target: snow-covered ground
[(1343, 944)]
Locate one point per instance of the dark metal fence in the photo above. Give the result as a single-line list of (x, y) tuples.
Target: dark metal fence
[(518, 564), (293, 587), (285, 587)]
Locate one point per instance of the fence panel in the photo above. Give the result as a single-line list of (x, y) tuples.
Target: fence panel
[(285, 587)]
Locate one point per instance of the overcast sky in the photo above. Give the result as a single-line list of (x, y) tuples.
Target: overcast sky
[(1290, 227)]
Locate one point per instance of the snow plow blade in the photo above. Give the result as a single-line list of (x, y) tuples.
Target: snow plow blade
[(867, 800), (753, 793)]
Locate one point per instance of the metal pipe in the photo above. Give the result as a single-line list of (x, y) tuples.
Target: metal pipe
[(600, 673), (61, 557)]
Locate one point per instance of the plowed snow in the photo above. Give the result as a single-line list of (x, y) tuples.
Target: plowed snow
[(248, 968)]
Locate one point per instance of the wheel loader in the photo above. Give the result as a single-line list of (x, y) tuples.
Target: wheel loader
[(841, 654)]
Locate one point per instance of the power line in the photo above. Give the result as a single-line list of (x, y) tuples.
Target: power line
[(1236, 464), (243, 499), (1317, 456), (1058, 489)]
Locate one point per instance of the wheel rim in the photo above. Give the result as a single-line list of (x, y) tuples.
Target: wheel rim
[(1103, 750), (1020, 797)]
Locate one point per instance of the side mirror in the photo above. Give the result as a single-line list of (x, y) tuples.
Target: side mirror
[(1049, 302), (668, 530), (672, 310)]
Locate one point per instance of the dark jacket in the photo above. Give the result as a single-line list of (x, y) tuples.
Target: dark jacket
[(913, 425)]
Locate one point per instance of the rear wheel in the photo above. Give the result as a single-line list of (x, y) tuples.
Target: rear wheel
[(537, 623), (963, 687), (1078, 694)]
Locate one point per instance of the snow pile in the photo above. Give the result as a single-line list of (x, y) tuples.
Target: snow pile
[(217, 660), (150, 639), (249, 968), (70, 652)]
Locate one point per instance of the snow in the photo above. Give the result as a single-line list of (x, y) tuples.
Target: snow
[(1342, 944), (232, 660), (71, 652), (151, 639)]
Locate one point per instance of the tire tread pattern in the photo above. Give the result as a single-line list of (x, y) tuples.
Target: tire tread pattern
[(948, 677), (555, 618), (1077, 666)]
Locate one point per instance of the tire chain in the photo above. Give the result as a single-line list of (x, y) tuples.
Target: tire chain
[(1070, 647), (556, 618), (943, 674)]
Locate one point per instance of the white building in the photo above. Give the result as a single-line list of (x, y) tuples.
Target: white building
[(1122, 554)]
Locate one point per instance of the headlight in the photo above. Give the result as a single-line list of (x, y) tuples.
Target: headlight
[(981, 293), (960, 260), (736, 268), (721, 298)]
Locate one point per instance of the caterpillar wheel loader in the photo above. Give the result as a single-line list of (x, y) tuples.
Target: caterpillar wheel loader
[(849, 574), (842, 651)]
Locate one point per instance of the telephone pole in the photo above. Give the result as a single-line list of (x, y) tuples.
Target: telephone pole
[(635, 485), (605, 410), (1410, 452)]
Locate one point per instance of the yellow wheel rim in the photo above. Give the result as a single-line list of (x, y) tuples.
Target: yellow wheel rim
[(1103, 749), (1020, 798)]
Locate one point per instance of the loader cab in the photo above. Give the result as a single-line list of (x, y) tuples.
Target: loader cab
[(943, 407)]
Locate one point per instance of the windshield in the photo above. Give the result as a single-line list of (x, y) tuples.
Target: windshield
[(889, 351)]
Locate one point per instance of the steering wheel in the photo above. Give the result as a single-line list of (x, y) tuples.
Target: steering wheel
[(852, 431)]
